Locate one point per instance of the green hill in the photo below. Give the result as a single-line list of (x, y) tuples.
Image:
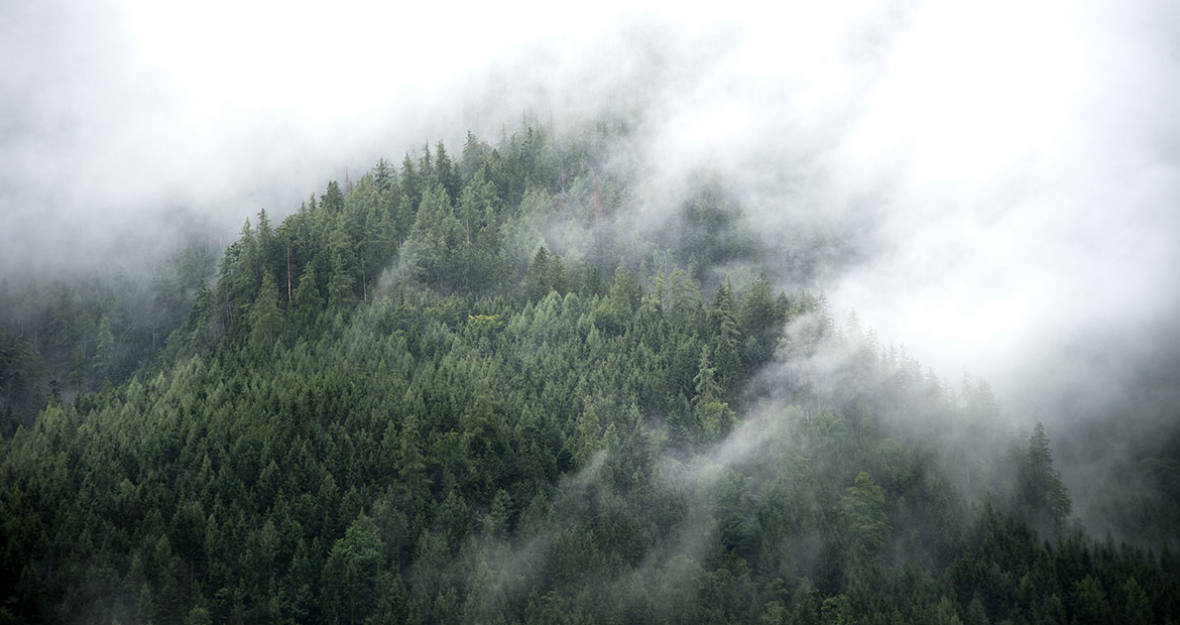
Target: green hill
[(472, 390)]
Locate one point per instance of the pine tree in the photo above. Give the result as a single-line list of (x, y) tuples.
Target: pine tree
[(411, 464), (474, 154), (864, 504), (351, 572), (104, 352), (537, 279), (1041, 494), (239, 277), (333, 199), (726, 338), (308, 302), (342, 281), (1137, 609), (759, 323), (265, 317), (707, 389), (444, 171), (383, 174), (1090, 606), (268, 245), (712, 418)]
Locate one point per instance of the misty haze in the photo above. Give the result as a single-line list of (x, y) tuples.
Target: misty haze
[(860, 312)]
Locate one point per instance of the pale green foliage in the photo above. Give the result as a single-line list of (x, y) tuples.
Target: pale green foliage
[(864, 505)]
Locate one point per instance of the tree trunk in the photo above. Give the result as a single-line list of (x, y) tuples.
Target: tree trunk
[(288, 271)]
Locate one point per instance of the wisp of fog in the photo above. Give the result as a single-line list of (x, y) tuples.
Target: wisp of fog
[(1009, 173)]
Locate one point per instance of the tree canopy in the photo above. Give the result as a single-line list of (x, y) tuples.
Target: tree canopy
[(468, 391)]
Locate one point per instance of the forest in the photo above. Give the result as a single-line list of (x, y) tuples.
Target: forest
[(469, 389)]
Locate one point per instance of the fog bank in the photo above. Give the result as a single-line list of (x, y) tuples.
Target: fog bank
[(1008, 174)]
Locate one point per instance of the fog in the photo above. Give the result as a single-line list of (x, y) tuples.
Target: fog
[(1008, 173)]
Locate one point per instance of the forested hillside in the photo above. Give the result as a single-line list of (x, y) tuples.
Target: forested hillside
[(470, 389), (74, 335)]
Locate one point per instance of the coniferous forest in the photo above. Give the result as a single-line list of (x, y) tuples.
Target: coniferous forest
[(467, 389)]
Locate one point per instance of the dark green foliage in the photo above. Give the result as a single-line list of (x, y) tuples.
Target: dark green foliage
[(353, 574), (75, 334), (265, 317), (413, 402), (1040, 495)]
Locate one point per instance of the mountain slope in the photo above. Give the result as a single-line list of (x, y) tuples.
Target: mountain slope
[(537, 412)]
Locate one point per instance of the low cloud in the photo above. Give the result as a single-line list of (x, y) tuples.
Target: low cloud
[(1004, 177)]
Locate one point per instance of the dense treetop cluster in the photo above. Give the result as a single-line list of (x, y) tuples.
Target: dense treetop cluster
[(469, 390)]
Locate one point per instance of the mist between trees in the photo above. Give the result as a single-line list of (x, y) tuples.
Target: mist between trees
[(477, 388)]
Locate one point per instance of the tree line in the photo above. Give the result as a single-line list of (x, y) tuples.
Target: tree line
[(457, 391)]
